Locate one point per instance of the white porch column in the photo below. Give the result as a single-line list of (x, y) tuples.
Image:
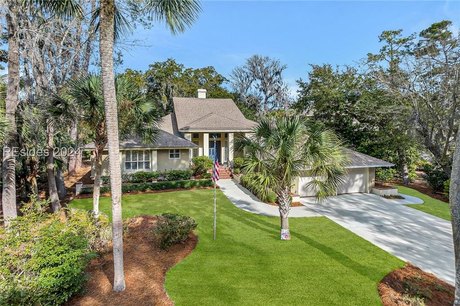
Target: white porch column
[(200, 144), (188, 136), (205, 144), (230, 147)]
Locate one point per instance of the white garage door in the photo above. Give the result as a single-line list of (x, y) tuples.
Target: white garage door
[(355, 181)]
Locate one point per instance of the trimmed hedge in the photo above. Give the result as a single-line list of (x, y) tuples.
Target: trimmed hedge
[(163, 185), (151, 176), (177, 175)]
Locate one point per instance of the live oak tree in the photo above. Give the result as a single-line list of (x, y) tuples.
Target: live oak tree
[(281, 149), (424, 72), (352, 104), (44, 38), (169, 78), (260, 84)]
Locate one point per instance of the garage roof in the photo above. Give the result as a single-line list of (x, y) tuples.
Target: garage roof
[(360, 160)]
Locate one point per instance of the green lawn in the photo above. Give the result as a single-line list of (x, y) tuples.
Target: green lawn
[(431, 206), (323, 264)]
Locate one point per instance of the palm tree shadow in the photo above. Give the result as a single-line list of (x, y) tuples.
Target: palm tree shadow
[(256, 222), (367, 271)]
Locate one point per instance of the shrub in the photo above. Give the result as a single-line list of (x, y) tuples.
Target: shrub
[(42, 258), (238, 163), (201, 165), (206, 175), (385, 175), (435, 177), (177, 175), (172, 229), (105, 179), (143, 177), (250, 182), (447, 187), (96, 229)]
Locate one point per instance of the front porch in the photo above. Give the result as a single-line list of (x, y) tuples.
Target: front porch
[(217, 145)]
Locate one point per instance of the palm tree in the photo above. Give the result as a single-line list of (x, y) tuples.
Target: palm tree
[(56, 112), (137, 116), (178, 15), (281, 149), (65, 8), (11, 104)]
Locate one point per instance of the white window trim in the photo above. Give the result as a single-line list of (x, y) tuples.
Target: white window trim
[(148, 152), (169, 153)]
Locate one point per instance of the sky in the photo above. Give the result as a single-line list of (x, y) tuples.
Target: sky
[(297, 33)]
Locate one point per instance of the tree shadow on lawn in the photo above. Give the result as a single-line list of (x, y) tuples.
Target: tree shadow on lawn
[(256, 222)]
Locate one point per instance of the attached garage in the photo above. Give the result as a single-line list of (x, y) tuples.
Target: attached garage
[(360, 176)]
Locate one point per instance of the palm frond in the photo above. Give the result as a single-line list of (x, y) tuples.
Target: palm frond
[(121, 24), (178, 14), (281, 149), (63, 8)]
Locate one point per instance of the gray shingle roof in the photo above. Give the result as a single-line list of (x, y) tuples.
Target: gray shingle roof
[(168, 124), (360, 160), (164, 140), (194, 114)]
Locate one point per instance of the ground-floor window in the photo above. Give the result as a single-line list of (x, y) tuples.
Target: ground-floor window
[(174, 154), (137, 160)]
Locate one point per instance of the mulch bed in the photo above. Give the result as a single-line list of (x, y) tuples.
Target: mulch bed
[(425, 189), (412, 286), (145, 267)]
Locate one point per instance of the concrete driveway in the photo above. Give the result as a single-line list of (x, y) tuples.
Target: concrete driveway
[(412, 235)]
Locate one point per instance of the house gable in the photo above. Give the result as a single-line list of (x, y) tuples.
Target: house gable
[(198, 114)]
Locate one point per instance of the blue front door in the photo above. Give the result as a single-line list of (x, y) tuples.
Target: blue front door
[(214, 152)]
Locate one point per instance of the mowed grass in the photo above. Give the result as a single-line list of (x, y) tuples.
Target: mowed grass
[(323, 264), (431, 205)]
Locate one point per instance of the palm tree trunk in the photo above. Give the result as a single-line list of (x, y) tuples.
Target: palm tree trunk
[(33, 173), (97, 181), (52, 187), (284, 205), (454, 194), (111, 117), (73, 156), (62, 191), (12, 100)]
